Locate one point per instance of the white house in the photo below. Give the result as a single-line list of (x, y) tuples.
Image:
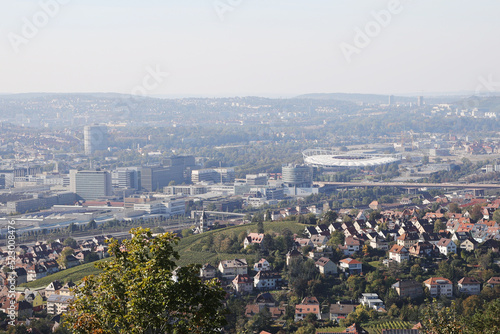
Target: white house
[(351, 266), (266, 280), (469, 285), (232, 268), (439, 286), (262, 265), (399, 253), (446, 246), (371, 300)]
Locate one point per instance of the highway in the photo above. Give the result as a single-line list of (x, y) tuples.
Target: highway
[(412, 185)]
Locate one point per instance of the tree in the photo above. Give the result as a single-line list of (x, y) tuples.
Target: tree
[(496, 216), (136, 292), (439, 225), (260, 227), (70, 242), (92, 225), (62, 259), (441, 320)]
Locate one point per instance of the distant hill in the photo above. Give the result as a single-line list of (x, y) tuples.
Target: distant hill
[(352, 97)]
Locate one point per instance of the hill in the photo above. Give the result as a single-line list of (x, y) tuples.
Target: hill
[(189, 247)]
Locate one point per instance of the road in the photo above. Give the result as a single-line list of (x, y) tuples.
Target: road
[(413, 185)]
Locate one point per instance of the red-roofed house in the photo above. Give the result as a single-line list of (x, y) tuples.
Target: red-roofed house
[(351, 266), (469, 285), (439, 286), (399, 253)]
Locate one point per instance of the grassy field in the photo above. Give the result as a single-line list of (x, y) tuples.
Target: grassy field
[(74, 274), (187, 255)]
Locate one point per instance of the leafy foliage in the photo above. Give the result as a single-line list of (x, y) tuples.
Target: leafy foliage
[(137, 292)]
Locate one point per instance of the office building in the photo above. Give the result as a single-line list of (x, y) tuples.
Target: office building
[(215, 175), (300, 176), (126, 178), (91, 184), (95, 138)]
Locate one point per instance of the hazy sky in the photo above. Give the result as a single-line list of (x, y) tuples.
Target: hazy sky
[(249, 47)]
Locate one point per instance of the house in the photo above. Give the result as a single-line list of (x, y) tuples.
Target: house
[(243, 283), (446, 246), (341, 311), (407, 239), (292, 256), (57, 304), (35, 272), (232, 268), (310, 231), (371, 300), (408, 288), (207, 271), (253, 238), (67, 289), (351, 245), (421, 249), (262, 265), (326, 266), (379, 243), (399, 253), (439, 286), (23, 310), (308, 305), (351, 266), (53, 288), (469, 245), (266, 280), (469, 285), (493, 282), (51, 266), (319, 240), (21, 276)]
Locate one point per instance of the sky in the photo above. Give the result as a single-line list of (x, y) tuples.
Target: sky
[(275, 48)]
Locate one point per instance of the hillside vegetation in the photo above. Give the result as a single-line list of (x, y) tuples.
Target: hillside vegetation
[(189, 247)]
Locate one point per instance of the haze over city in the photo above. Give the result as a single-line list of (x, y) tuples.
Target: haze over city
[(242, 48)]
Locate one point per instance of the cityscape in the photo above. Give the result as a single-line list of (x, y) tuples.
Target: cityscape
[(247, 200)]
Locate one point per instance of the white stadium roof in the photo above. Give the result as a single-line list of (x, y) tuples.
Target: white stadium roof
[(326, 158)]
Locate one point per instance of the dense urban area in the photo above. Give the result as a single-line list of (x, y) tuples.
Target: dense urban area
[(323, 213)]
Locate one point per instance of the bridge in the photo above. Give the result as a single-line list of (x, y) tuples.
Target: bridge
[(478, 186)]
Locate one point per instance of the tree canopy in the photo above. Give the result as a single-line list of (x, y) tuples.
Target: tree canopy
[(141, 290)]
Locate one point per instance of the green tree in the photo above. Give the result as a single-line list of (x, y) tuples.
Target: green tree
[(496, 216), (136, 292), (62, 259), (441, 320), (260, 227), (70, 242)]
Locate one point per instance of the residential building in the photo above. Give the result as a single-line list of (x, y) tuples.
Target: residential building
[(341, 311), (399, 253), (408, 288), (469, 286), (371, 300), (439, 286), (57, 304), (326, 266), (243, 283), (266, 280), (207, 271), (232, 268), (351, 266), (308, 305), (262, 265), (253, 238), (446, 246)]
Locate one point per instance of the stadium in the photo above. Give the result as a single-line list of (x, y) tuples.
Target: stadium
[(340, 160)]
